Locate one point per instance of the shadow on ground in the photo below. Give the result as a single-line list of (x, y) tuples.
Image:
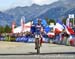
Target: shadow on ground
[(33, 53)]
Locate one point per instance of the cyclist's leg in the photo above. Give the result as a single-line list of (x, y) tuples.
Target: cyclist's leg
[(41, 40), (35, 43)]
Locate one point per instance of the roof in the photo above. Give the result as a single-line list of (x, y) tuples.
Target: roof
[(27, 27)]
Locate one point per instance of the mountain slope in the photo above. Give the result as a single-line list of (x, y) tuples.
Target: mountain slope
[(28, 12), (5, 19), (62, 9), (56, 10)]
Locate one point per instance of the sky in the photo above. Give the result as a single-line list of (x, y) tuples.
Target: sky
[(7, 4)]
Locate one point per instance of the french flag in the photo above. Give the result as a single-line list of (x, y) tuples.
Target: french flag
[(51, 34), (68, 22), (13, 26), (71, 40), (70, 32), (58, 27), (22, 23), (48, 32)]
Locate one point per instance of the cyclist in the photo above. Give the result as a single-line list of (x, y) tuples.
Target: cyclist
[(38, 31)]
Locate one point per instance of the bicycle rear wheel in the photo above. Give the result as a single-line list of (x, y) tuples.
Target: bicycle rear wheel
[(38, 45)]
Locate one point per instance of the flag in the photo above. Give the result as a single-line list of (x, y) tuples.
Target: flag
[(69, 30), (13, 25), (71, 40), (47, 29), (44, 22), (68, 22), (51, 34), (58, 27), (22, 23), (71, 15)]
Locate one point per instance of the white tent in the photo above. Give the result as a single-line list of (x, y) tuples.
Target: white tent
[(27, 27)]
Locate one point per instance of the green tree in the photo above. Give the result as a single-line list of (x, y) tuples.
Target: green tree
[(64, 20), (52, 21), (1, 29), (47, 20), (7, 29)]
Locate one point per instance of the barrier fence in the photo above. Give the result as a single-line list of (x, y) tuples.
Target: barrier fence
[(56, 40), (22, 39)]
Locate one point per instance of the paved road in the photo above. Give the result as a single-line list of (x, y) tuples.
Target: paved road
[(38, 56), (10, 50)]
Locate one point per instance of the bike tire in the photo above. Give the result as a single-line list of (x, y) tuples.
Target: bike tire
[(38, 46)]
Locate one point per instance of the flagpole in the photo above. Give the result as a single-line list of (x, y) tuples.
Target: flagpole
[(73, 22)]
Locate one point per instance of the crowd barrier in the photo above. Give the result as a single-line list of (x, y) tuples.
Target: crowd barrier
[(65, 41), (29, 39), (2, 38), (22, 39)]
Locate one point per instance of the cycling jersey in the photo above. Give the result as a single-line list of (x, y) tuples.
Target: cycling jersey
[(38, 29)]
